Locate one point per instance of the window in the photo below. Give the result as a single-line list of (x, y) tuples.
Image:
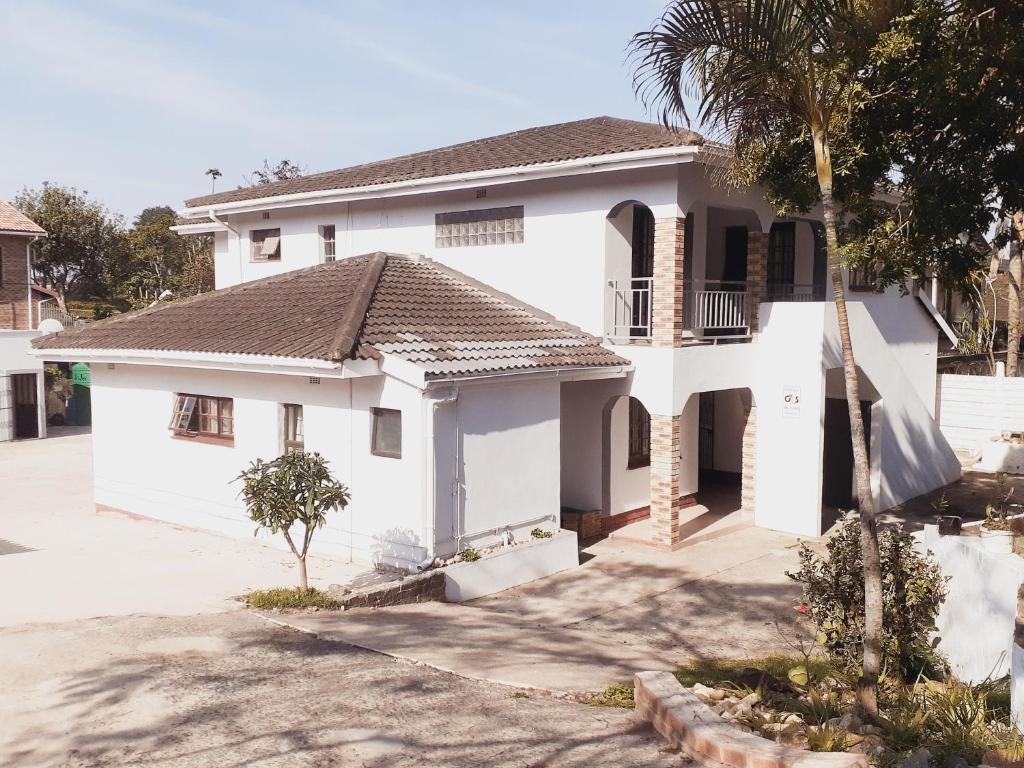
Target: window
[(639, 435), (202, 416), (327, 242), (781, 253), (864, 279), (292, 429), (486, 226), (266, 244), (1, 266), (387, 433)]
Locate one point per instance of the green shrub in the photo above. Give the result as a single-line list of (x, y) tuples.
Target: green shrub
[(290, 598), (826, 739), (615, 695), (540, 533), (469, 555), (743, 673), (913, 588)]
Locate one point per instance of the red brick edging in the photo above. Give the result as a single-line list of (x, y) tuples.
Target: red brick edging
[(682, 718)]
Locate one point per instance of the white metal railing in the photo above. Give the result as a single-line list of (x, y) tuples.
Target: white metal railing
[(720, 307), (794, 292), (631, 308), (50, 310)]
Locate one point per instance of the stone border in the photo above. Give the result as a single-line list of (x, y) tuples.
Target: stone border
[(416, 588), (685, 721)]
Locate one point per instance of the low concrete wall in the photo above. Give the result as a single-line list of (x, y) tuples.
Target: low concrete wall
[(976, 622), (511, 567), (679, 716), (418, 588)]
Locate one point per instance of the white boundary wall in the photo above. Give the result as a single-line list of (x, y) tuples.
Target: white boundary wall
[(974, 409)]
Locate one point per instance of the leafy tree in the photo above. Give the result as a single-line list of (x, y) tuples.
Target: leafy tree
[(268, 174), (83, 239), (293, 488), (781, 78)]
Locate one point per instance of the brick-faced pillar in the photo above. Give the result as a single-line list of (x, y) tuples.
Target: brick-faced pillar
[(749, 461), (757, 273), (666, 443), (667, 315)]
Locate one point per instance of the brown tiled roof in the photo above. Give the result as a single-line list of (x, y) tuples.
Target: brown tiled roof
[(551, 143), (13, 220), (361, 307)]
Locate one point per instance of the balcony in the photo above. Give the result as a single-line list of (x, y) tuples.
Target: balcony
[(48, 309), (785, 291), (713, 309)]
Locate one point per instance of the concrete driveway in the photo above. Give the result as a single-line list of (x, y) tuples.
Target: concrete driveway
[(68, 562)]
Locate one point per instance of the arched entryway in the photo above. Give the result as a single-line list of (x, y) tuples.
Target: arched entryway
[(626, 460), (629, 267)]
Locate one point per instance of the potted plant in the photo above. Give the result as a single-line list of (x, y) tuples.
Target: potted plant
[(996, 531)]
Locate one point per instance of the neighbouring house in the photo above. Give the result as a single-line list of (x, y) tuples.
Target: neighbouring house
[(565, 325), (22, 388)]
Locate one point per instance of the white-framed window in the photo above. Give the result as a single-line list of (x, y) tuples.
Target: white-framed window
[(484, 226), (328, 250), (291, 428), (266, 244), (386, 438)]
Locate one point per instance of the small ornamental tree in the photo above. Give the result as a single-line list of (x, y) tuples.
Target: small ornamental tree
[(293, 488)]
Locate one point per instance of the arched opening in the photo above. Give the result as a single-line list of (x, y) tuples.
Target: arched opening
[(726, 451), (626, 460), (629, 265)]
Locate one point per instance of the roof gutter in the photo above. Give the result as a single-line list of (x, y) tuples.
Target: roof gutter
[(210, 360), (562, 374), (620, 161)]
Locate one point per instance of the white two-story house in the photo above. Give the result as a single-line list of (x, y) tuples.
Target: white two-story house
[(565, 322)]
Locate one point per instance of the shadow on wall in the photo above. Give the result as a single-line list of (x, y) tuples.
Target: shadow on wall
[(398, 547)]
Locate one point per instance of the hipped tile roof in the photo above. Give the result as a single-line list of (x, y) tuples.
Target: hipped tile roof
[(361, 307), (13, 220), (592, 137)]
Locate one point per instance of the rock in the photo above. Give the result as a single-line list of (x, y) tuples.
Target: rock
[(850, 722), (919, 759), (438, 562), (956, 762), (311, 609), (702, 692), (793, 718), (870, 745), (750, 699), (834, 723), (717, 694), (871, 730)]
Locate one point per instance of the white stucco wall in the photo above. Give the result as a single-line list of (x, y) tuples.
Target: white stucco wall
[(975, 623), (15, 355), (139, 467), (500, 444)]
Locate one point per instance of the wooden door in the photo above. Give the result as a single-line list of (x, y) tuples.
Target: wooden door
[(734, 269)]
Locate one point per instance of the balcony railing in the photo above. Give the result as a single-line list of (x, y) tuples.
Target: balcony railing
[(50, 310), (717, 309), (794, 292), (631, 308)]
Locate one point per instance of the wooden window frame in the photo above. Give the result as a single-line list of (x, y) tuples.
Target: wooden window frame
[(639, 436), (863, 280), (293, 438), (328, 247), (377, 414), (256, 246), (192, 416)]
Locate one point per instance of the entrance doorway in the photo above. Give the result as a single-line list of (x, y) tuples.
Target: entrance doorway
[(837, 484), (26, 405)]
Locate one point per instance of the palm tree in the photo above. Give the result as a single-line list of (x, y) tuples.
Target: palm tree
[(781, 67), (214, 174)]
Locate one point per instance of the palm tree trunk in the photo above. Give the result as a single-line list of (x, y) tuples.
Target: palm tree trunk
[(867, 686), (1013, 296)]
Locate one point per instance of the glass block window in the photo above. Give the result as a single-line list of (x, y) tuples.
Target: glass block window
[(485, 226)]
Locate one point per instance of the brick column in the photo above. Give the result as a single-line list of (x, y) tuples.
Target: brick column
[(666, 442), (749, 461), (757, 273), (667, 314)]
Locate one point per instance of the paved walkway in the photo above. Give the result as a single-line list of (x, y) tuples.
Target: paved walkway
[(627, 608)]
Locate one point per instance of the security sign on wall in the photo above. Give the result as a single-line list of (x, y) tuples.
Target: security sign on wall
[(791, 402)]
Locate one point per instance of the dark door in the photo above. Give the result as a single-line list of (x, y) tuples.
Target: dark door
[(781, 258), (26, 406), (642, 267), (735, 268), (837, 489), (706, 433)]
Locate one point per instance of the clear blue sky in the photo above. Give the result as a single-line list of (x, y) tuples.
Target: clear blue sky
[(133, 100)]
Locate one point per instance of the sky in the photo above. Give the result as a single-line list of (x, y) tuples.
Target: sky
[(133, 100)]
